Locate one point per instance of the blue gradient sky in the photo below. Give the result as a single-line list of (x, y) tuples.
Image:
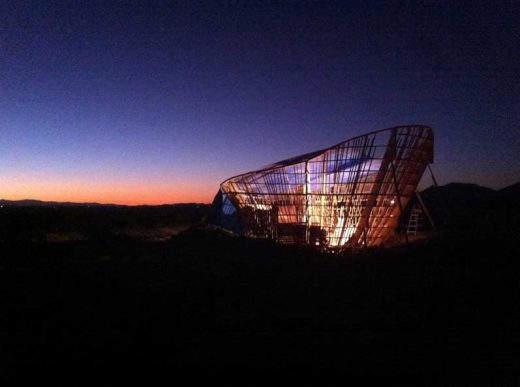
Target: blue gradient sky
[(133, 103)]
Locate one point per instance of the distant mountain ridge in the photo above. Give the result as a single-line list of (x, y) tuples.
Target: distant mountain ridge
[(462, 206), (512, 190), (42, 203), (450, 189), (473, 190)]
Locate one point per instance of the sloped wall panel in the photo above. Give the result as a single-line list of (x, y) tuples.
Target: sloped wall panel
[(348, 195)]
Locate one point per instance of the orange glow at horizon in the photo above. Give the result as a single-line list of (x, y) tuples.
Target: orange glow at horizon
[(133, 193)]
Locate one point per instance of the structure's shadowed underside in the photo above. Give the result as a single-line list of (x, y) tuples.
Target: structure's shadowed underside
[(349, 195)]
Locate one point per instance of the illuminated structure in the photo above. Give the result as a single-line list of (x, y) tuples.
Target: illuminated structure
[(346, 196)]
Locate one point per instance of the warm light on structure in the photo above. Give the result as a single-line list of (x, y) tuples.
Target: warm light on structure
[(348, 195)]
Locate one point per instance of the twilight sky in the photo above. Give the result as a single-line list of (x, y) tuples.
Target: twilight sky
[(146, 104)]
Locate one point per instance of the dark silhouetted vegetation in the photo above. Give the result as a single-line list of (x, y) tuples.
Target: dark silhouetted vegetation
[(205, 303), (51, 222)]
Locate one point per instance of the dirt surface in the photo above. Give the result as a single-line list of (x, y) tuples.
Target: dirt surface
[(205, 304)]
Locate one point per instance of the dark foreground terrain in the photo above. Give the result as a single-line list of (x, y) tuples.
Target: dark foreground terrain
[(118, 310)]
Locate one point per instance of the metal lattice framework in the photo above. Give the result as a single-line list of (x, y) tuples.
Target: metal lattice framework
[(348, 195)]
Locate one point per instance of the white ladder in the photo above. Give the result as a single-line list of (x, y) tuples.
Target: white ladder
[(413, 222)]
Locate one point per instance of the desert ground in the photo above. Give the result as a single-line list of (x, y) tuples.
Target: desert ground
[(113, 308)]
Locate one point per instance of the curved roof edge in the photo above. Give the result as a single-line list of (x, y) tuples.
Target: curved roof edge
[(311, 155)]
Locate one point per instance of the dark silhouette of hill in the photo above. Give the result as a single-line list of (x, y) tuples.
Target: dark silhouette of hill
[(512, 191), (459, 193), (457, 206), (113, 310), (46, 221), (465, 192), (206, 303), (41, 203)]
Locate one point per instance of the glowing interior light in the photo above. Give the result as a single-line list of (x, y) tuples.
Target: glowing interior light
[(339, 197)]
